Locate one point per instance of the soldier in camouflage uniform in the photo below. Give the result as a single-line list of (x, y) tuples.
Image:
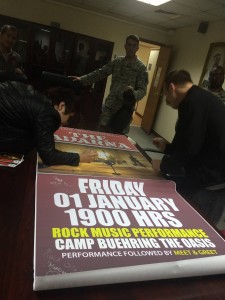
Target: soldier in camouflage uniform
[(128, 74)]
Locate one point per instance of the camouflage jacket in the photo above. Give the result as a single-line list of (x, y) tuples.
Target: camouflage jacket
[(124, 73)]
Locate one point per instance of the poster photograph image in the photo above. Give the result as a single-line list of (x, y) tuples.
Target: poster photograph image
[(117, 156), (110, 162), (97, 230)]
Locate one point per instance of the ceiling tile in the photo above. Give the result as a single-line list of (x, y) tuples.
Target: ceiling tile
[(178, 8), (219, 12), (174, 14), (202, 16), (199, 4)]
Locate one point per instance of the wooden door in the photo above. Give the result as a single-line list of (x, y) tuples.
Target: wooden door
[(156, 88)]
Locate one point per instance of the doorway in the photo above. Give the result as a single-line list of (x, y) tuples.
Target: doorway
[(156, 59), (148, 54)]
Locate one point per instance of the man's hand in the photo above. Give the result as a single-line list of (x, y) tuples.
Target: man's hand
[(160, 143), (128, 87), (75, 78), (19, 71), (88, 156), (156, 164)]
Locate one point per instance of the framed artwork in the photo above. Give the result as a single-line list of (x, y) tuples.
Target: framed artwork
[(215, 57)]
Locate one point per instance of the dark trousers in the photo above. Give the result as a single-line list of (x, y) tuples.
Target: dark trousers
[(210, 203)]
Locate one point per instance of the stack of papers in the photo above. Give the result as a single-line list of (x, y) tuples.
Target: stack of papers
[(10, 159)]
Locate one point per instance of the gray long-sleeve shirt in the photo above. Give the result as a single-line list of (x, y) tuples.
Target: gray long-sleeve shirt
[(124, 73)]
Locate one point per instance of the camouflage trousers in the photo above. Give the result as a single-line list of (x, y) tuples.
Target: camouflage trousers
[(109, 122)]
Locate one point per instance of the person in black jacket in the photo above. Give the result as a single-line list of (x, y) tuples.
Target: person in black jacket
[(195, 159), (28, 120)]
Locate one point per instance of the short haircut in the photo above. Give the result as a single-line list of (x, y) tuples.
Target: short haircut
[(179, 77), (133, 37), (68, 95), (6, 27)]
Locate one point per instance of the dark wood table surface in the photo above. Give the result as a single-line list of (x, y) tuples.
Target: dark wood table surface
[(17, 207)]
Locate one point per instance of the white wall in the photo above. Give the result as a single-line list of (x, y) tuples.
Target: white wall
[(190, 49)]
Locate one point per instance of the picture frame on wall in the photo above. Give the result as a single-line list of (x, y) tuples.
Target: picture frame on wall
[(214, 58)]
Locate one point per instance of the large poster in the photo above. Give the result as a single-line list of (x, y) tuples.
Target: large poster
[(117, 156), (92, 229)]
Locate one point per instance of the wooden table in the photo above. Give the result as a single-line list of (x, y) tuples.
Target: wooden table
[(16, 254)]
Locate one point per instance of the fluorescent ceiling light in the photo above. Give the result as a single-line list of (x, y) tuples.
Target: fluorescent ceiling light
[(154, 2)]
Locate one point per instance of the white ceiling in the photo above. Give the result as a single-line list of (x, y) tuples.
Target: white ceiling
[(169, 16)]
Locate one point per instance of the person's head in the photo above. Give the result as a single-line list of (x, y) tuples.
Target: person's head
[(131, 46), (65, 102), (176, 85), (8, 37), (216, 78)]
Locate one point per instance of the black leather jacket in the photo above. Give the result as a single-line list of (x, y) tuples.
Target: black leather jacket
[(28, 120)]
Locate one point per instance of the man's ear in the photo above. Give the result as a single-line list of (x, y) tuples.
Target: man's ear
[(61, 107), (171, 86)]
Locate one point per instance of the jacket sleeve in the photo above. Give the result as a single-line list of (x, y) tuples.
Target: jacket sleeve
[(98, 74), (191, 131), (47, 123)]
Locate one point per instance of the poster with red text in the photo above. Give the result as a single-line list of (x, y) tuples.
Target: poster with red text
[(93, 230)]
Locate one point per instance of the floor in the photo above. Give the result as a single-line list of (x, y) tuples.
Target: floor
[(143, 139)]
